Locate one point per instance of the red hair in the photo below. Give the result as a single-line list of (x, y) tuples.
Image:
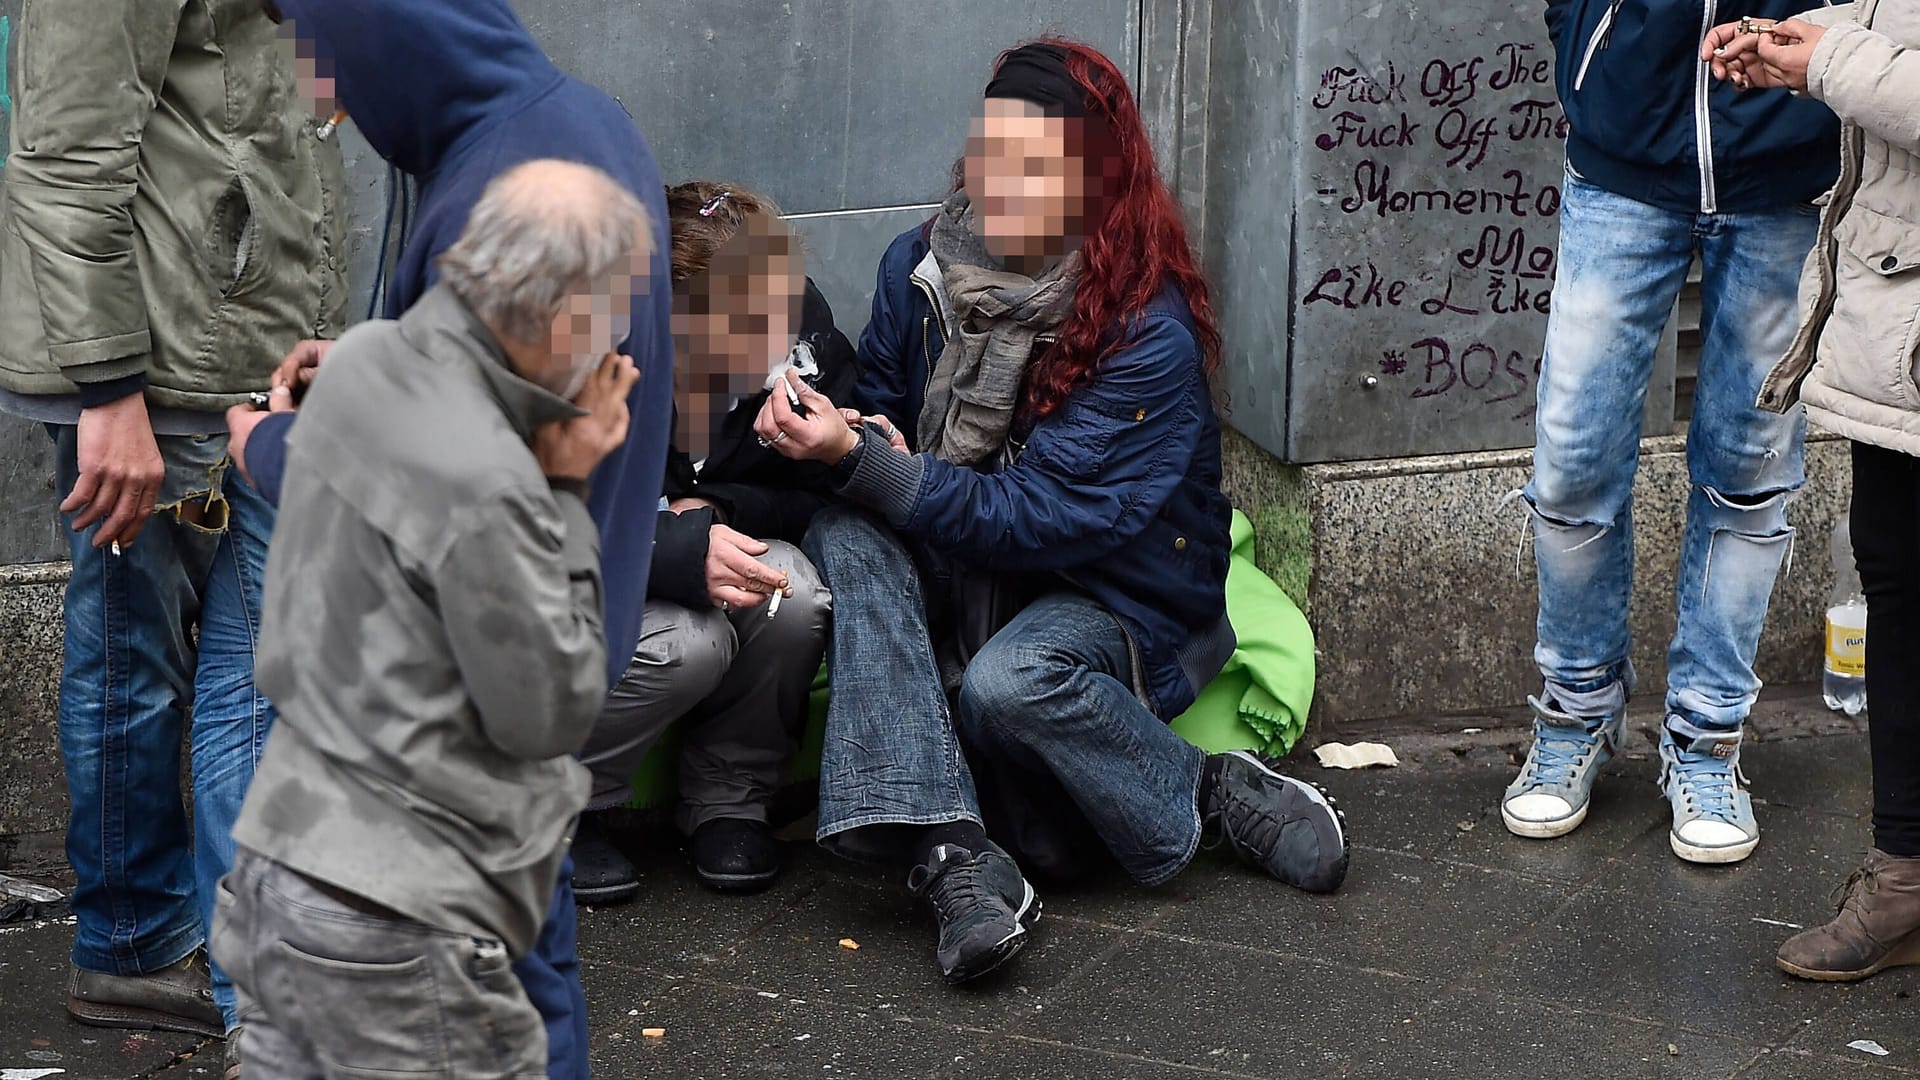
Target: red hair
[(1136, 240)]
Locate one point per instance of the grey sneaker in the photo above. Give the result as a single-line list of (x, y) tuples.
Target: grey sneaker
[(1712, 813), (1550, 796), (1289, 828), (176, 998), (984, 905)]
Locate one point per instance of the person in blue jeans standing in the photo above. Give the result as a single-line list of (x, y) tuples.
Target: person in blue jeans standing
[(453, 93), (163, 242), (1664, 165)]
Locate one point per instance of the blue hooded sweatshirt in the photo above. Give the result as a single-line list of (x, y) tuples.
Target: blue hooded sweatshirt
[(454, 93)]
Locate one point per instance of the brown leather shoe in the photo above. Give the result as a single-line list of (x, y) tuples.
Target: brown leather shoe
[(177, 998), (1878, 925), (231, 1071)]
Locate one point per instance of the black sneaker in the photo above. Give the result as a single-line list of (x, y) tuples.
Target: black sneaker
[(1289, 828), (601, 875), (735, 855), (984, 906)]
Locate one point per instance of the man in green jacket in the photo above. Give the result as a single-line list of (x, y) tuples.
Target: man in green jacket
[(164, 242)]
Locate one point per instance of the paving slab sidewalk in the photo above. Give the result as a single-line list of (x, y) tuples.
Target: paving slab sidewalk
[(1455, 950)]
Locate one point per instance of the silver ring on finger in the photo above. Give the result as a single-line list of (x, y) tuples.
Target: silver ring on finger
[(762, 440), (782, 437)]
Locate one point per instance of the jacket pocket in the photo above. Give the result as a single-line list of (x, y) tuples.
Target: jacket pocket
[(1594, 43), (1867, 348), (1077, 442), (233, 240)]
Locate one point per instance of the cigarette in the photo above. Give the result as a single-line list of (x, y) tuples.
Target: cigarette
[(773, 605), (332, 125), (116, 548)]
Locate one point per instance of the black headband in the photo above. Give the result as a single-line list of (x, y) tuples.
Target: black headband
[(1038, 74)]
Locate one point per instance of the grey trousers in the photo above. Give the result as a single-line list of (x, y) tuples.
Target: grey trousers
[(739, 680), (331, 991)]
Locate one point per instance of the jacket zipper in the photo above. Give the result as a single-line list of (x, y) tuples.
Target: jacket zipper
[(1602, 34), (1703, 119), (926, 333), (926, 350)]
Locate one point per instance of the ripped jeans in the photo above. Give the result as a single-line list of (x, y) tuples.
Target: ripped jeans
[(1622, 265), (164, 629)]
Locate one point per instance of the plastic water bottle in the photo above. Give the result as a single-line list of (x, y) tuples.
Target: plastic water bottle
[(1845, 682)]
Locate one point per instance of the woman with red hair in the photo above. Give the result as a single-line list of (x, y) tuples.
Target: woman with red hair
[(1031, 580)]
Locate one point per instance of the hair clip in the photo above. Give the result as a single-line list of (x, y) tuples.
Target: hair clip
[(714, 203)]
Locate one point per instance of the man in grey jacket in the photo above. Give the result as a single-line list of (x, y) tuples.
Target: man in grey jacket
[(433, 640)]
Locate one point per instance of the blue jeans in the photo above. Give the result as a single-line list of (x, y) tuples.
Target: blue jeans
[(134, 671), (1066, 756), (550, 974), (1622, 265)]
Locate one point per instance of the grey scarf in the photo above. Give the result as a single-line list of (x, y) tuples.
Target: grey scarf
[(999, 319)]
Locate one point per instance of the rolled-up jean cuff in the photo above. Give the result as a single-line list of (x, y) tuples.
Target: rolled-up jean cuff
[(1605, 701)]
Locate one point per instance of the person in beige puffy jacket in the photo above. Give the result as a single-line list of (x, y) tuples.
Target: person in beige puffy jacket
[(1853, 364)]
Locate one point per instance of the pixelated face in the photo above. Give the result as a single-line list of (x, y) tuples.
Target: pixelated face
[(313, 74), (590, 324), (734, 323), (1026, 179)]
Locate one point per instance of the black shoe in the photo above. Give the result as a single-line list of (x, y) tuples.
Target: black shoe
[(1286, 827), (984, 906), (601, 875), (735, 855)]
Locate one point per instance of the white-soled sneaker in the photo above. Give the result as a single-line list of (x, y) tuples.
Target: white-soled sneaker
[(1550, 796), (1712, 813)]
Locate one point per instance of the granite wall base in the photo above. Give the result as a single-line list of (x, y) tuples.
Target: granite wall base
[(33, 789), (1418, 574)]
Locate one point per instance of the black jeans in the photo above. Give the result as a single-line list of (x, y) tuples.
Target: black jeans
[(1886, 545)]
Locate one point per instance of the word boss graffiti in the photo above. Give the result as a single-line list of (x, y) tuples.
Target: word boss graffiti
[(1456, 147)]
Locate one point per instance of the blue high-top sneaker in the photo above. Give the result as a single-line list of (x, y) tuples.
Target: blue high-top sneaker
[(1712, 813), (1555, 785)]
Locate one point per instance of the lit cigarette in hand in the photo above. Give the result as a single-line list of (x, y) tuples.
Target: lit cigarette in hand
[(332, 125)]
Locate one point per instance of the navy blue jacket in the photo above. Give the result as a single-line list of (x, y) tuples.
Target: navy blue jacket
[(1649, 121), (456, 92), (1118, 491)]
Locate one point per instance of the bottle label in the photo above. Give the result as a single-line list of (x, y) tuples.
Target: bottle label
[(1846, 650)]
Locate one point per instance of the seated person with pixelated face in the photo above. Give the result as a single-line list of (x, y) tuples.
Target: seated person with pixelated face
[(736, 618)]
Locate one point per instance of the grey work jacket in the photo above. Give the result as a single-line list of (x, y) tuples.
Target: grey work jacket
[(432, 634)]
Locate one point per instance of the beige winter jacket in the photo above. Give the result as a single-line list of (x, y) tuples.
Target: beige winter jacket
[(1853, 361)]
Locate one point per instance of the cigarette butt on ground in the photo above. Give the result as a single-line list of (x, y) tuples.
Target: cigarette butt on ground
[(1364, 755), (654, 1033), (849, 944)]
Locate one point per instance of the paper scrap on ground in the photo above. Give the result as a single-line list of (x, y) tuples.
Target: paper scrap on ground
[(1868, 1046), (28, 1074), (849, 944), (1364, 755), (654, 1033)]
